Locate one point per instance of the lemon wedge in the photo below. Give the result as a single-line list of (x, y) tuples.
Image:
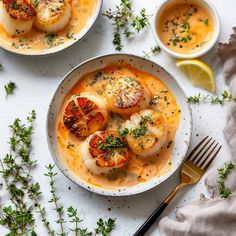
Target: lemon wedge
[(199, 73)]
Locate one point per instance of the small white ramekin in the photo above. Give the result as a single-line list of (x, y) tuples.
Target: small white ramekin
[(210, 44)]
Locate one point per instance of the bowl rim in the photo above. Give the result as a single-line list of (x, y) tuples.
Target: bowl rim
[(204, 50), (87, 28), (115, 192)]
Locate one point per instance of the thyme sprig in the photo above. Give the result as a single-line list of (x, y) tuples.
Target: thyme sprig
[(72, 214), (17, 215), (16, 169), (226, 96), (123, 19), (224, 172), (55, 199)]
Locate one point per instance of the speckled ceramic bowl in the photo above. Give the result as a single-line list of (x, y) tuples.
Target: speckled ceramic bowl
[(182, 137), (49, 51)]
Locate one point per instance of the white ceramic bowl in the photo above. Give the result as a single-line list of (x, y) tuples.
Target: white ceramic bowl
[(202, 51), (182, 137), (48, 51)]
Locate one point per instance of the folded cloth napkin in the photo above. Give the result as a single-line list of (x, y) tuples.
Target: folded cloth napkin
[(215, 216)]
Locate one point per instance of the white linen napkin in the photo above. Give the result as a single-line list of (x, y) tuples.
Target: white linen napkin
[(215, 216)]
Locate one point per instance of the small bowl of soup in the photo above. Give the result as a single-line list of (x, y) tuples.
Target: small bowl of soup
[(186, 28)]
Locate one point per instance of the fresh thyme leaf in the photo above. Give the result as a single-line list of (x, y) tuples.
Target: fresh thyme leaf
[(141, 21), (105, 227), (10, 87), (51, 39), (123, 19), (72, 214), (224, 172), (226, 96)]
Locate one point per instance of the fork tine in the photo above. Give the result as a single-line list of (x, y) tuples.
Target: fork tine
[(196, 148), (196, 151), (208, 161), (200, 158)]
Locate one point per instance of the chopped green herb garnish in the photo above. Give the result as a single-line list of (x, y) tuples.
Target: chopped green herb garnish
[(206, 22), (36, 3), (123, 132), (15, 5), (70, 35), (144, 120), (51, 38), (70, 145), (140, 131), (174, 42)]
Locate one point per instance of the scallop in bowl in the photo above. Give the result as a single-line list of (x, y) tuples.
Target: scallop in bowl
[(118, 125), (45, 27)]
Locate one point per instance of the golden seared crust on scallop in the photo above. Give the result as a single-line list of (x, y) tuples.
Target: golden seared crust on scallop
[(19, 9), (16, 16), (126, 95), (52, 15), (104, 152), (147, 132), (85, 114)]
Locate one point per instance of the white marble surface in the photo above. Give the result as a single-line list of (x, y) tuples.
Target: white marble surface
[(37, 79)]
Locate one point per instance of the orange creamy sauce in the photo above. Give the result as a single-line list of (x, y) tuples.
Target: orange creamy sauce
[(185, 27), (81, 11), (137, 170)]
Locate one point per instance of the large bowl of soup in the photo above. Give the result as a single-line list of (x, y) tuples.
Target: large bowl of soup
[(118, 125), (186, 28), (45, 27)]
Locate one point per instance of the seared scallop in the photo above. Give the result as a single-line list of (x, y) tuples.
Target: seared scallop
[(16, 16), (147, 132), (52, 15), (126, 95), (85, 114), (104, 152)]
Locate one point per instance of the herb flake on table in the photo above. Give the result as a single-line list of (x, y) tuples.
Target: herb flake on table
[(10, 87), (125, 21), (105, 227), (224, 172), (226, 96)]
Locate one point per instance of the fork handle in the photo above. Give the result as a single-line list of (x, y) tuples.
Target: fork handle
[(151, 220), (155, 215)]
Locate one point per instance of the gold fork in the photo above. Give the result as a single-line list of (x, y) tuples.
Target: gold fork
[(191, 171)]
